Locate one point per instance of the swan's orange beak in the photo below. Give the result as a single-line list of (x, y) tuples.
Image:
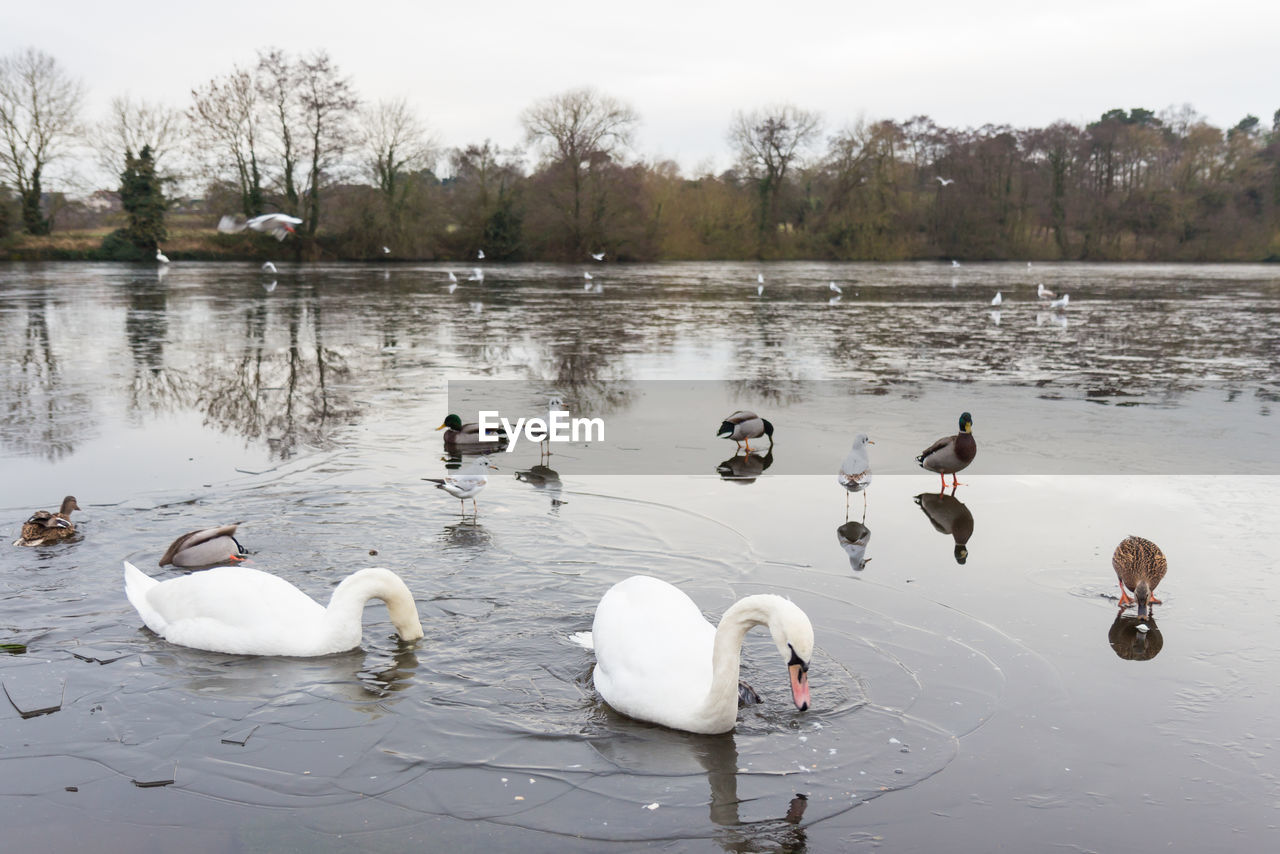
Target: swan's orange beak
[(799, 686)]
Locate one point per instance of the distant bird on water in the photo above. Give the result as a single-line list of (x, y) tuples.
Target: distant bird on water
[(480, 255), (951, 454), (1061, 302), (832, 286), (452, 277), (1139, 566), (477, 275), (955, 263), (268, 267), (599, 256), (997, 299), (44, 527), (759, 284), (161, 257), (386, 250), (587, 276), (1044, 293)]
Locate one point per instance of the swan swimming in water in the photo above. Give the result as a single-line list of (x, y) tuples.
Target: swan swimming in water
[(244, 611), (659, 660)]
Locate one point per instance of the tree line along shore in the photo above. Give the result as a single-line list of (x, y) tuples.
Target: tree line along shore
[(368, 180)]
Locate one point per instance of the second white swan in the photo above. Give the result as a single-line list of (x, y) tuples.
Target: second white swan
[(659, 660), (245, 611)]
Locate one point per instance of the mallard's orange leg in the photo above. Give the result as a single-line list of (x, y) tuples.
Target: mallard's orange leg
[(1154, 601), (1124, 596)]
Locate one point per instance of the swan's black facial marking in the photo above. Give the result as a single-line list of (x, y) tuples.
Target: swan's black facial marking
[(796, 659)]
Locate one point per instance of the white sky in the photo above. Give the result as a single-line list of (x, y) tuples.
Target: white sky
[(470, 68)]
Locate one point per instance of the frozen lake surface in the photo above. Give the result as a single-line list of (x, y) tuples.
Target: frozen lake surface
[(973, 687)]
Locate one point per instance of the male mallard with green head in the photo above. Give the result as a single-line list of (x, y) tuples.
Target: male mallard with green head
[(1139, 566), (205, 548), (44, 527), (743, 426), (468, 435), (952, 453)]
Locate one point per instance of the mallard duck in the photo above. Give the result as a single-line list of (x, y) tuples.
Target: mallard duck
[(1139, 566), (204, 548), (948, 515), (466, 482), (855, 471), (468, 435), (952, 453), (1135, 638), (245, 611), (659, 660), (743, 426), (44, 527)]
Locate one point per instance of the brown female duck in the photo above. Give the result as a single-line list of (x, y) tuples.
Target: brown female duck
[(44, 527), (1139, 566)]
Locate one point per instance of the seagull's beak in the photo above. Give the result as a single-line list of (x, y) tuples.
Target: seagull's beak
[(871, 441)]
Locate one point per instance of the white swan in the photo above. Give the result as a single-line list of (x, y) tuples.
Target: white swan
[(245, 611), (658, 660)]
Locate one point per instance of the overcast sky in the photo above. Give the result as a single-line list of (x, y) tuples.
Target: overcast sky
[(686, 66)]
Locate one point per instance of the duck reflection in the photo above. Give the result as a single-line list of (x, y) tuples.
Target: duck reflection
[(744, 468), (649, 751), (948, 515), (1135, 638), (853, 538), (546, 479)]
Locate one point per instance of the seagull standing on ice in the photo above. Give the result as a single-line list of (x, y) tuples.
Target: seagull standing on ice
[(586, 276), (452, 277), (1061, 302), (997, 299), (1044, 293), (832, 286), (161, 257)]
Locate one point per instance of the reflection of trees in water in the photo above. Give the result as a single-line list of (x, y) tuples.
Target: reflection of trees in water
[(39, 416), (153, 385), (281, 395)]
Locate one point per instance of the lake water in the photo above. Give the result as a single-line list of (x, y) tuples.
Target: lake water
[(973, 687)]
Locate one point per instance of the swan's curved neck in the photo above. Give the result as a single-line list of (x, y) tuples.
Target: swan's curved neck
[(346, 606), (721, 701)]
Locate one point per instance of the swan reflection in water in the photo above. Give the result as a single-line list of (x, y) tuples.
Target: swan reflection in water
[(644, 751), (546, 479), (948, 515), (1132, 643), (853, 538), (745, 468)]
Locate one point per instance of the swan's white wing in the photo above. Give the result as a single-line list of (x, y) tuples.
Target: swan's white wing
[(236, 609), (653, 651)]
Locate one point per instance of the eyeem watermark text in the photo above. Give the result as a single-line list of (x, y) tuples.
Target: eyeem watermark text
[(558, 427)]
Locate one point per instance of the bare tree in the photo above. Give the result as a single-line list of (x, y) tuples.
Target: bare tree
[(577, 130), (39, 119), (328, 101), (131, 125), (277, 85), (225, 116), (768, 141), (394, 143)]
